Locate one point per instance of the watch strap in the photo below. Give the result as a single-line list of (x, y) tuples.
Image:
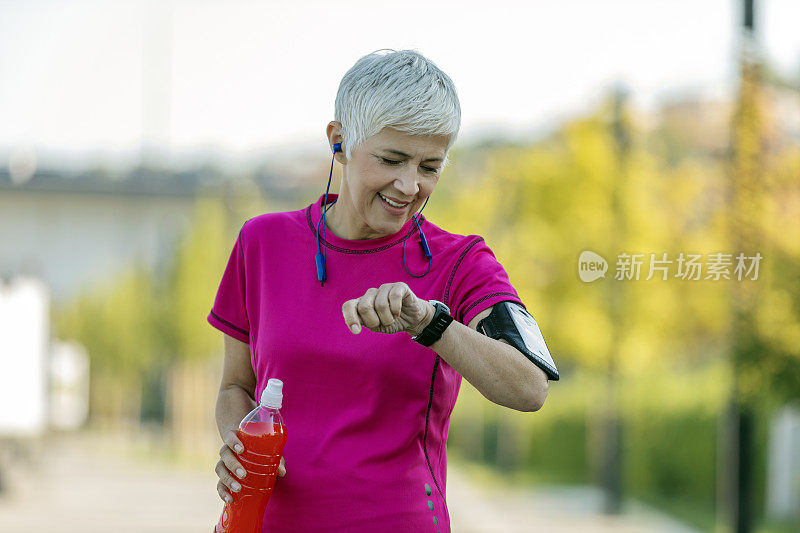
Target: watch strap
[(435, 329)]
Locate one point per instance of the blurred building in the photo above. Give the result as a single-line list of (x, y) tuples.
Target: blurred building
[(24, 345), (69, 385), (73, 230)]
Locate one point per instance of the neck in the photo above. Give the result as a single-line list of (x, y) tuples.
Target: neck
[(333, 223), (339, 222)]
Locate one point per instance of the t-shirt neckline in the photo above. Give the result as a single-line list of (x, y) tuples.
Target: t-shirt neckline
[(313, 214)]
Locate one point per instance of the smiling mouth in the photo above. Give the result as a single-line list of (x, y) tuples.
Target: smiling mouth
[(393, 203)]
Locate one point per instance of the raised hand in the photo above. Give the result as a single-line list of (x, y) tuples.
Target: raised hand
[(390, 308)]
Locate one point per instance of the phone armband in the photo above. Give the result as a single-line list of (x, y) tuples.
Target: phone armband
[(511, 321)]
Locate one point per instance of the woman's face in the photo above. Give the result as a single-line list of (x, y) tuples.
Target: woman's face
[(405, 168)]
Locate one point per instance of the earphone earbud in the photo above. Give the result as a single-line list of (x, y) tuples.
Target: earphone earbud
[(337, 147)]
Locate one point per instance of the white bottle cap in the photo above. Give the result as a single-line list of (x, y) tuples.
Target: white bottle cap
[(273, 394)]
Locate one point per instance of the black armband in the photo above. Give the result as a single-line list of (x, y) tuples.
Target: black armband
[(510, 321)]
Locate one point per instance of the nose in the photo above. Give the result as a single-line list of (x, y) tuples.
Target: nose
[(407, 183)]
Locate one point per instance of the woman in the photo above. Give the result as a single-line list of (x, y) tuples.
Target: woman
[(373, 336)]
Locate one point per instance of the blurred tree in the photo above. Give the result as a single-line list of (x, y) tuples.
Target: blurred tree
[(116, 323), (192, 283), (199, 262), (539, 206)]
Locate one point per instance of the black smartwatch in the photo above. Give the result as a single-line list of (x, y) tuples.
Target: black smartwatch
[(435, 329)]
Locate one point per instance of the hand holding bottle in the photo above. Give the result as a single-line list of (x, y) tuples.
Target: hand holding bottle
[(229, 468), (251, 459)]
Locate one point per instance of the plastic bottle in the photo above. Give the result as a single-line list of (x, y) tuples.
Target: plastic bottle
[(263, 435)]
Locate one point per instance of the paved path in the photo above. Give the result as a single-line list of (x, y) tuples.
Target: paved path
[(478, 508), (87, 484), (69, 488)]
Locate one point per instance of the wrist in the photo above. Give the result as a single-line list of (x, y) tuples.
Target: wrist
[(426, 319), (435, 325)]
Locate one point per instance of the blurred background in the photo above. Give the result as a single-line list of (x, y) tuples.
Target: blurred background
[(137, 136)]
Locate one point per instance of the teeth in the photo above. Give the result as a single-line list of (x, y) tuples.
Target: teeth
[(391, 203)]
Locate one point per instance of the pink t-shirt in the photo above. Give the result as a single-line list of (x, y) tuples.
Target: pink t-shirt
[(367, 415)]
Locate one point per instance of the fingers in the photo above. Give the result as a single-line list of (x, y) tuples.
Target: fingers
[(281, 469), (360, 311), (229, 463), (366, 309), (407, 297), (232, 441), (377, 307), (229, 458), (226, 479), (383, 304), (223, 492), (398, 293), (350, 315)]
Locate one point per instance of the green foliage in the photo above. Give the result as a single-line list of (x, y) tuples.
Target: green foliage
[(538, 207), (199, 263), (659, 448), (116, 323), (557, 451)]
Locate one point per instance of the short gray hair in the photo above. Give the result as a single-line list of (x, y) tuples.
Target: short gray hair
[(402, 89)]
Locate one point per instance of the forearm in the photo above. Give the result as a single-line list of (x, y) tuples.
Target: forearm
[(499, 371), (233, 403)]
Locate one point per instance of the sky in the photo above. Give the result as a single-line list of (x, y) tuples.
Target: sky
[(87, 80)]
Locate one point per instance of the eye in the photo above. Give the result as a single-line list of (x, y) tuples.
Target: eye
[(392, 162)]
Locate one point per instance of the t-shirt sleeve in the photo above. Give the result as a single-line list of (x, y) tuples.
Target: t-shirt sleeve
[(479, 281), (229, 312)]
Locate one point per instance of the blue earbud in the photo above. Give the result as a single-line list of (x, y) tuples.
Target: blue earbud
[(320, 259)]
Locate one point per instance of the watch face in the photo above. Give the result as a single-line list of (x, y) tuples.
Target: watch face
[(442, 304)]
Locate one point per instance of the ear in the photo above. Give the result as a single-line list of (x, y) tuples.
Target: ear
[(334, 134)]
